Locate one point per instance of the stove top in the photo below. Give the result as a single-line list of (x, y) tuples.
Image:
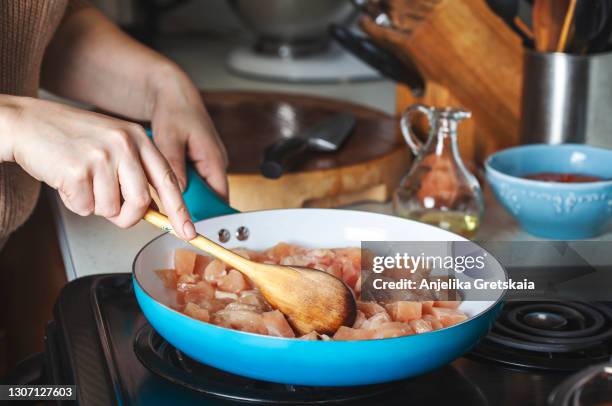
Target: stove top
[(100, 342)]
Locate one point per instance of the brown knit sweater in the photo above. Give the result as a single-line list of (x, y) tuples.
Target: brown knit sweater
[(26, 27)]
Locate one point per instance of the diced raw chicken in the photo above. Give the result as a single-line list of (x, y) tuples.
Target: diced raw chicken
[(196, 312), (184, 261), (420, 326), (359, 319), (370, 308), (448, 317), (312, 336), (214, 272), (240, 320), (347, 334), (404, 311), (233, 282), (376, 321), (427, 306), (168, 277), (435, 323), (208, 290), (214, 305), (255, 298), (392, 329), (201, 262), (219, 294), (198, 292), (242, 306), (282, 250), (449, 304), (277, 325)]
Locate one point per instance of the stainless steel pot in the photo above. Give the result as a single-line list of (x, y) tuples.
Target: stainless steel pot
[(292, 27)]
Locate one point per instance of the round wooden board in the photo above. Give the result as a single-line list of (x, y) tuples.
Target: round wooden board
[(368, 166)]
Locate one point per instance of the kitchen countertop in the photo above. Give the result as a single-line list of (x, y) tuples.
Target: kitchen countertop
[(93, 245)]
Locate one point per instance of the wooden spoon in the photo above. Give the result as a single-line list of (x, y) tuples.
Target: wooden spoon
[(312, 300), (548, 19)]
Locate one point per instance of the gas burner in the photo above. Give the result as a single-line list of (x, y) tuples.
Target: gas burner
[(550, 335), (164, 360)]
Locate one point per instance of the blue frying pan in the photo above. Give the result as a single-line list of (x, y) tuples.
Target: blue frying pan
[(293, 361)]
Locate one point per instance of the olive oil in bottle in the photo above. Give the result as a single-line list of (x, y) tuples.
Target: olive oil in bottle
[(438, 189), (464, 224)]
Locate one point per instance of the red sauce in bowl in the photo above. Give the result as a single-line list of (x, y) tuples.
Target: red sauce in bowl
[(563, 177)]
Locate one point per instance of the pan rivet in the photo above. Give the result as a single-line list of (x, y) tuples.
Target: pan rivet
[(224, 235), (242, 233)]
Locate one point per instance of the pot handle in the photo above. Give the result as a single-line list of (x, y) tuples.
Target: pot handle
[(405, 124), (202, 202)]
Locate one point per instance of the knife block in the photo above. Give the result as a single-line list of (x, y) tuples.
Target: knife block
[(468, 58)]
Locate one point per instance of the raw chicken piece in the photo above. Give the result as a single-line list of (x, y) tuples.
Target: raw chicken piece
[(359, 319), (213, 305), (435, 323), (240, 320), (277, 324), (168, 277), (201, 262), (282, 250), (346, 334), (427, 306), (214, 272), (404, 311), (233, 282), (376, 321), (312, 336), (369, 309), (232, 297), (242, 306), (196, 312), (449, 304), (420, 326), (196, 293), (392, 329), (448, 317), (184, 261), (255, 298)]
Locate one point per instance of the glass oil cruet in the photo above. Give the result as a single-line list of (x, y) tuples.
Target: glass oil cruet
[(438, 189)]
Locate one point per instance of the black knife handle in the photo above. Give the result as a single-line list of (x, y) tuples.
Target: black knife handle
[(277, 156), (379, 58)]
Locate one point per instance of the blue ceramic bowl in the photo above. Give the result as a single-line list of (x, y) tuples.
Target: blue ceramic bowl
[(554, 210)]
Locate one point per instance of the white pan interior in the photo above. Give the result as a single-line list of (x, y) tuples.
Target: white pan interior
[(313, 228)]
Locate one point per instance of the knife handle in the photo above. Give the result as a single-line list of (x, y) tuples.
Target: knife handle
[(277, 156)]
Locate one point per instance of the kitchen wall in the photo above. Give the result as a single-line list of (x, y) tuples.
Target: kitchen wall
[(194, 16)]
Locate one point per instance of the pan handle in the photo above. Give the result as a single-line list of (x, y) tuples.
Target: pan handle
[(202, 202)]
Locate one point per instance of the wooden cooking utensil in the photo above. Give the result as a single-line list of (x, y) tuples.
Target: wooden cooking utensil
[(567, 24), (548, 18), (309, 298)]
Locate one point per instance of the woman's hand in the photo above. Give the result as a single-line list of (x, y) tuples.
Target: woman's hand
[(99, 165), (182, 130)]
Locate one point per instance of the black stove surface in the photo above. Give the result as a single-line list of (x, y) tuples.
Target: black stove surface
[(101, 342)]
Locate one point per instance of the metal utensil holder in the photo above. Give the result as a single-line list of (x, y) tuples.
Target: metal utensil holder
[(566, 98)]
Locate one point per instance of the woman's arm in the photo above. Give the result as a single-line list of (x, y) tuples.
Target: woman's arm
[(93, 61)]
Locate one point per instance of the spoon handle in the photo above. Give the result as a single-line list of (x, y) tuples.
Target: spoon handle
[(229, 257)]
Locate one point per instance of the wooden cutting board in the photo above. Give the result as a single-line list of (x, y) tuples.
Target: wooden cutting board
[(367, 167)]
